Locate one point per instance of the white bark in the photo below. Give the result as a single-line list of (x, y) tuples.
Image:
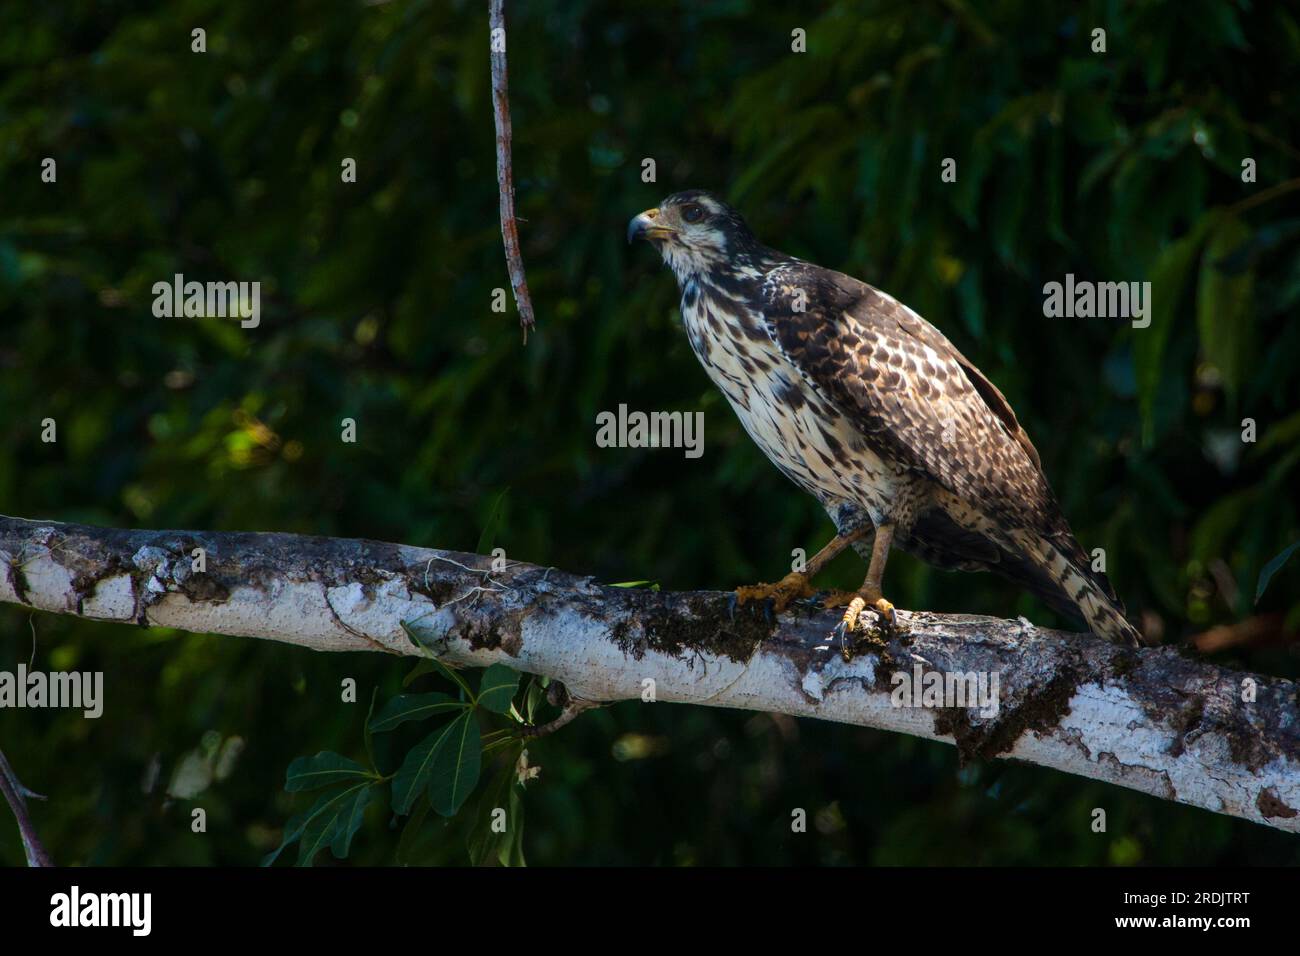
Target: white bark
[(1152, 720)]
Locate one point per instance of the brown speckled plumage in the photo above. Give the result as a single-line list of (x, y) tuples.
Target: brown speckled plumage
[(867, 406)]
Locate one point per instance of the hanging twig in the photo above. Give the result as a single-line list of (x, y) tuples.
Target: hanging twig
[(16, 796), (505, 174)]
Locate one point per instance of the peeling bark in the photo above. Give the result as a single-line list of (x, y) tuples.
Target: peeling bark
[(1153, 720)]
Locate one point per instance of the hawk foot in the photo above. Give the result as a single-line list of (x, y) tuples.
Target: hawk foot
[(782, 594), (858, 602)]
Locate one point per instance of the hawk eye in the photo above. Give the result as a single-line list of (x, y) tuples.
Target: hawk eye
[(693, 212)]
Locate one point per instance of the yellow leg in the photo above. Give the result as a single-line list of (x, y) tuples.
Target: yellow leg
[(869, 594), (798, 584)]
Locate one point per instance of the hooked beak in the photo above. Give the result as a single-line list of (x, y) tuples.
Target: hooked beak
[(646, 226)]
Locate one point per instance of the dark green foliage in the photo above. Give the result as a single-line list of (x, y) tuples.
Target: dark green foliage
[(376, 307), (439, 773)]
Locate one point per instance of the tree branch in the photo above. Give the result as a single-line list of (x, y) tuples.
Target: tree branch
[(505, 173), (1152, 720)]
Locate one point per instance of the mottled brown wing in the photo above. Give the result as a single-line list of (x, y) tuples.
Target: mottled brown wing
[(916, 399)]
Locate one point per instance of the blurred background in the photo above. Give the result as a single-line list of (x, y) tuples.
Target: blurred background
[(1116, 166)]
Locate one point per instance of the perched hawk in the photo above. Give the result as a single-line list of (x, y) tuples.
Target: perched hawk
[(865, 405)]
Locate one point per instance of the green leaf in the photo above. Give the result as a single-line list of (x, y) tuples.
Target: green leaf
[(413, 776), (486, 845), (497, 688), (1169, 277), (495, 515), (413, 834), (1223, 303), (455, 765), (1271, 569), (533, 699), (512, 854), (350, 822), (323, 770), (329, 819), (406, 707)]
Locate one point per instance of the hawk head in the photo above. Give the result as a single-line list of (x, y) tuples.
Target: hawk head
[(696, 233)]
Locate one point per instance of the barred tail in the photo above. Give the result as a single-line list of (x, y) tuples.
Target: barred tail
[(1059, 574), (1105, 616)]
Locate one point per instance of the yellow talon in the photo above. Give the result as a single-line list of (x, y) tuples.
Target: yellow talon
[(884, 609), (858, 603), (851, 613)]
